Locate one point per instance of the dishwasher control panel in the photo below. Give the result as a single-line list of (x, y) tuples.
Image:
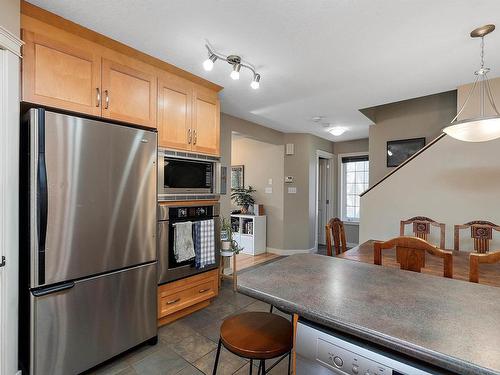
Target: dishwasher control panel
[(338, 358), (337, 354)]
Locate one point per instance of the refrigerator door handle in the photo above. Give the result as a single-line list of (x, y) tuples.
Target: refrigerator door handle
[(39, 196), (53, 289)]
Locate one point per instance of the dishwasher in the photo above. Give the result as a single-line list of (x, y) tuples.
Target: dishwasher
[(321, 351)]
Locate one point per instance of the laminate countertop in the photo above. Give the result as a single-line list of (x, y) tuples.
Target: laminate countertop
[(448, 323)]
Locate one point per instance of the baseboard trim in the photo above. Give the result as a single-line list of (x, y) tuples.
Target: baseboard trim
[(290, 252)]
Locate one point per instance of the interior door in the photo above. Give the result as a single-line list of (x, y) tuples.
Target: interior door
[(101, 197), (322, 199), (129, 94), (206, 124), (60, 75), (175, 102)]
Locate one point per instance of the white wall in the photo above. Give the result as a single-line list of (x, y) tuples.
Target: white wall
[(9, 186), (263, 161), (452, 182)]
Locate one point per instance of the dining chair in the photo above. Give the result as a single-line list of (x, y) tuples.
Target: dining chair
[(476, 258), (410, 254), (335, 229), (422, 228), (481, 232)]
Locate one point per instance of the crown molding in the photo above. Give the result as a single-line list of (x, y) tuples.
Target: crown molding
[(10, 42)]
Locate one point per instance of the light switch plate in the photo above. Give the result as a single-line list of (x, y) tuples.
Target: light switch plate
[(270, 181), (268, 190), (292, 190)]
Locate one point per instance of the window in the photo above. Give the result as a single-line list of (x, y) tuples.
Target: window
[(354, 181)]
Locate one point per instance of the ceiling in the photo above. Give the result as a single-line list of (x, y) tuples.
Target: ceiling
[(316, 58)]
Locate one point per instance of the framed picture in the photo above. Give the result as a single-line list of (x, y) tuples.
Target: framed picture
[(237, 176), (400, 150)]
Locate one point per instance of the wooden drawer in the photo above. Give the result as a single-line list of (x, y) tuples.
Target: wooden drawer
[(177, 299)]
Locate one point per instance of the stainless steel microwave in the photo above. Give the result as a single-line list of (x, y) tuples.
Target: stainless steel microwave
[(187, 175)]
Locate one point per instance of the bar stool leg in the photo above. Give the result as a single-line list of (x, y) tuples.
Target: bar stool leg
[(263, 367), (251, 365), (217, 357)]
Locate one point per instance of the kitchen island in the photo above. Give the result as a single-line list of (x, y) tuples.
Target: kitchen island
[(448, 323)]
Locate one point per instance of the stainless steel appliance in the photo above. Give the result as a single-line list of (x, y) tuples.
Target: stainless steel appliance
[(323, 352), (168, 268), (88, 247), (184, 176)]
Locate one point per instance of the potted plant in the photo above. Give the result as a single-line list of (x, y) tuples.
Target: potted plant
[(229, 246), (243, 198)]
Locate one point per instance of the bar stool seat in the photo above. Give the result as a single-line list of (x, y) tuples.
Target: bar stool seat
[(256, 336)]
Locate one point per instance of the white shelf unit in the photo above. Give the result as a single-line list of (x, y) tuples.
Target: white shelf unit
[(249, 232)]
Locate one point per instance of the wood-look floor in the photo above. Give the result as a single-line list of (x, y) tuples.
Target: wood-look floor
[(244, 260)]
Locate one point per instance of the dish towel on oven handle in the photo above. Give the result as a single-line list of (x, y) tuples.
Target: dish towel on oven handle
[(183, 241), (204, 243)]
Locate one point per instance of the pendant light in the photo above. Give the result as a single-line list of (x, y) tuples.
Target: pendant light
[(482, 128)]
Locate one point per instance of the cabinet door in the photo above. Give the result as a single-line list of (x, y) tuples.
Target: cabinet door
[(206, 124), (175, 101), (129, 94), (60, 75)]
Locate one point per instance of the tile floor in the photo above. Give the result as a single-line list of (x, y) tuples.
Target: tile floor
[(188, 346)]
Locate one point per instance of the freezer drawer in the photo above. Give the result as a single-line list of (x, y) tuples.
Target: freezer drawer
[(96, 319)]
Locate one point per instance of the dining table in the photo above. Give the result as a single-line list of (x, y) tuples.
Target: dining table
[(489, 274)]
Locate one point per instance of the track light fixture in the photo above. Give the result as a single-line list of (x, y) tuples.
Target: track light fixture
[(235, 61)]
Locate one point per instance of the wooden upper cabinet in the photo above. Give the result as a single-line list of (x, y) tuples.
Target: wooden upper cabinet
[(60, 75), (128, 94), (206, 121), (175, 102)]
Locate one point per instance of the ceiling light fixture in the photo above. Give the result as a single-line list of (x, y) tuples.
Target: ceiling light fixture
[(234, 60), (482, 128), (337, 130)]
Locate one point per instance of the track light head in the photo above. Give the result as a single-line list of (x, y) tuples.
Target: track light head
[(208, 64), (255, 83), (235, 74)]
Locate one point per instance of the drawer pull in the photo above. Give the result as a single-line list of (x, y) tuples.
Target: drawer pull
[(203, 290), (173, 301), (98, 102)]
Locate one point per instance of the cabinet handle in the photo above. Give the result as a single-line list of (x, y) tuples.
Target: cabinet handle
[(107, 99), (98, 97), (194, 137), (203, 290), (189, 136), (174, 301)]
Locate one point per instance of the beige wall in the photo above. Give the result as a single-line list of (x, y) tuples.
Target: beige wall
[(300, 228), (230, 124), (420, 117), (451, 182), (263, 161), (10, 16)]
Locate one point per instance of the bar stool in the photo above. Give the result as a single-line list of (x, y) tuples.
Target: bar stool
[(257, 336)]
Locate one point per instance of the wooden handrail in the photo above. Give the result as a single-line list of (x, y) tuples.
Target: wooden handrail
[(442, 135)]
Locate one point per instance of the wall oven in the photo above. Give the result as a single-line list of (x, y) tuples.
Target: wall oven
[(184, 176), (168, 269)]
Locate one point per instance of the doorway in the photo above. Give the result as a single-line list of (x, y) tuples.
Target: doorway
[(324, 204)]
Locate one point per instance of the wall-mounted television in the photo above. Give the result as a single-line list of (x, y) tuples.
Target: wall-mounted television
[(400, 150)]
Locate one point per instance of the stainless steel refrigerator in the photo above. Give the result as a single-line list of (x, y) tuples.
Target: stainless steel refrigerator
[(88, 247)]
